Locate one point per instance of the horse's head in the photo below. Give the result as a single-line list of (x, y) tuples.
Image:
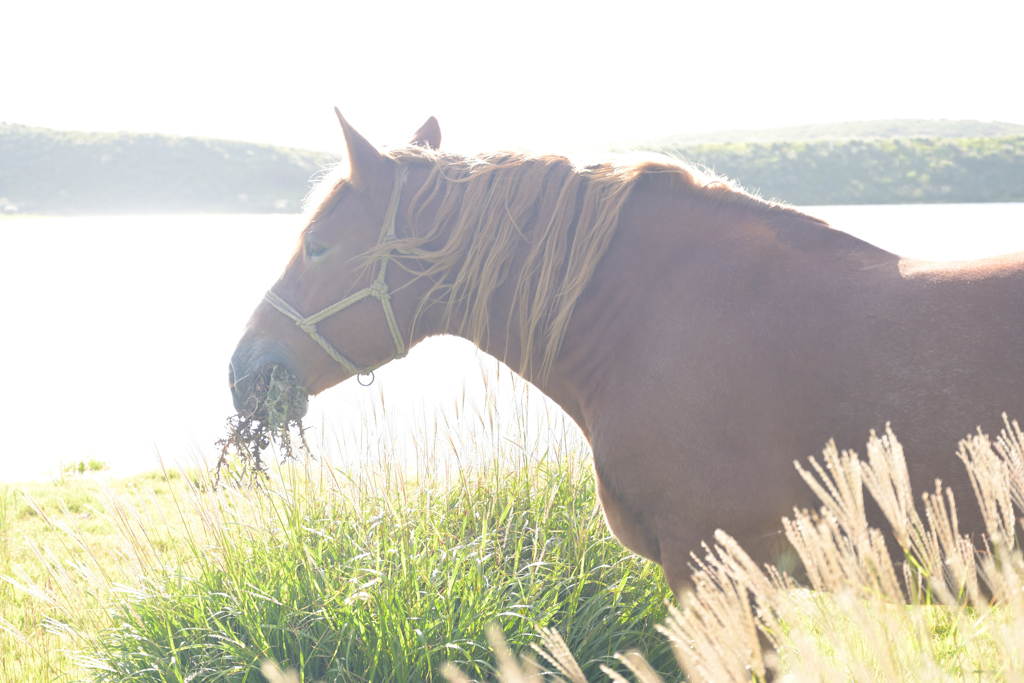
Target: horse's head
[(334, 312)]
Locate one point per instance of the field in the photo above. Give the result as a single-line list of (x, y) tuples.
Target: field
[(387, 570)]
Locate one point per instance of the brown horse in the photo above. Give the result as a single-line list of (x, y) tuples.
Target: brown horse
[(700, 337)]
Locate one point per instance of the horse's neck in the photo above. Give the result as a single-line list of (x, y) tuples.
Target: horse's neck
[(669, 252), (669, 256)]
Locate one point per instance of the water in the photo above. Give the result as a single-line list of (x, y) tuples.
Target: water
[(117, 331), (936, 232)]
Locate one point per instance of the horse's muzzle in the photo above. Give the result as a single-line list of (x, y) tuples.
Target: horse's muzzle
[(245, 367)]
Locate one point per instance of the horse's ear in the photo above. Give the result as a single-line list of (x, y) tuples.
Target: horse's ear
[(369, 169), (429, 135)]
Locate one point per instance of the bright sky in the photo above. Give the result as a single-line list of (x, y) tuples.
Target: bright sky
[(542, 74)]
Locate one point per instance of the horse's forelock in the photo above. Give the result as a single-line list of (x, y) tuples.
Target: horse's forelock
[(326, 187)]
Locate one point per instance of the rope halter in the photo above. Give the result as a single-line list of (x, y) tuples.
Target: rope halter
[(378, 289)]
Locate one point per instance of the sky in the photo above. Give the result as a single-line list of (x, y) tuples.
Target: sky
[(545, 75)]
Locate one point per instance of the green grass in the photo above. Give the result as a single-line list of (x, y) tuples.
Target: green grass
[(83, 466), (382, 571), (385, 582), (44, 529)]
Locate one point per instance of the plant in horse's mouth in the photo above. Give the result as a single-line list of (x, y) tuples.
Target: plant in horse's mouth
[(276, 404)]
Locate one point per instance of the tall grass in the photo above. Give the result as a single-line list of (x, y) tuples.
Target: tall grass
[(39, 525), (946, 611), (966, 613), (382, 571)]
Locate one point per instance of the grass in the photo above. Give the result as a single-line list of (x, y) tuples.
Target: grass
[(379, 572), (344, 583), (41, 525), (948, 612), (83, 466), (489, 541)]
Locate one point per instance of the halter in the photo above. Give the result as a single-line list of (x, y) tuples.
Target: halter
[(378, 289)]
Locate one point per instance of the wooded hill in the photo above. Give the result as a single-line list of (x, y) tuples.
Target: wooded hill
[(45, 171), (879, 171), (849, 130)]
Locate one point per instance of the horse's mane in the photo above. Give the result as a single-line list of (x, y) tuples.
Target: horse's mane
[(539, 223)]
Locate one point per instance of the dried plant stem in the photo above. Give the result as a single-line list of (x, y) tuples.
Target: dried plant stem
[(275, 407)]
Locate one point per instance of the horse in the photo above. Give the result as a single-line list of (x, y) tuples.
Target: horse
[(701, 337)]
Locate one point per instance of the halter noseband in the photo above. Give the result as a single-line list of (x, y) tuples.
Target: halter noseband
[(378, 289)]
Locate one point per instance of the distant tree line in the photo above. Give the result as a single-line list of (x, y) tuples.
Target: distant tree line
[(880, 171), (46, 171), (851, 130), (60, 172)]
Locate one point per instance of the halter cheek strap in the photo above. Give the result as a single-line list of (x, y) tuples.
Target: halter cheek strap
[(378, 289)]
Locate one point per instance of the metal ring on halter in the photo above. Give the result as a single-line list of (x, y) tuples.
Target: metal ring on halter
[(360, 376)]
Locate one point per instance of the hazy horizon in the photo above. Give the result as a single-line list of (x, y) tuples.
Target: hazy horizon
[(697, 137)]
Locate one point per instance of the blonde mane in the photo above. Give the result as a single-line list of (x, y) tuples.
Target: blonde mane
[(537, 223)]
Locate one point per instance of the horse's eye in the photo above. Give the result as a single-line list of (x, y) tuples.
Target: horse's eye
[(313, 249)]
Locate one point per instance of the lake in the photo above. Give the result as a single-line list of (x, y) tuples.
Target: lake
[(117, 331)]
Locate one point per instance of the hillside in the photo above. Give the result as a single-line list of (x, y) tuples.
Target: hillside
[(877, 171), (45, 171), (62, 172), (852, 130)]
